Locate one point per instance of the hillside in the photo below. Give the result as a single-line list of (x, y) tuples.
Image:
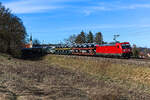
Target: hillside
[(65, 78)]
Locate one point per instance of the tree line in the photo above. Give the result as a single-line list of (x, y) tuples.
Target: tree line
[(85, 38), (12, 32)]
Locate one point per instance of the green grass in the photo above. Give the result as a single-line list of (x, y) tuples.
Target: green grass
[(126, 76)]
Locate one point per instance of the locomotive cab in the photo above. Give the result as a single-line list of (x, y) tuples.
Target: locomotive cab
[(126, 49)]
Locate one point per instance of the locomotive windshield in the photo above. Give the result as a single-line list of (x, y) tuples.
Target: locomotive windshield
[(126, 46)]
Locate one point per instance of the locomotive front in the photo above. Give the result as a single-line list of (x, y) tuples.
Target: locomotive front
[(126, 49)]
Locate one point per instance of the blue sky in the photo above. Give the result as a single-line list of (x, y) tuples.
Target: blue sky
[(54, 20)]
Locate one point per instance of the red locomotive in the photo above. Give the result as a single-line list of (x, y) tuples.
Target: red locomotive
[(116, 49)]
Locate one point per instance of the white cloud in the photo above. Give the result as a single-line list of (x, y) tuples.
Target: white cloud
[(33, 6), (105, 26), (90, 10), (32, 9), (134, 6), (113, 7), (36, 6)]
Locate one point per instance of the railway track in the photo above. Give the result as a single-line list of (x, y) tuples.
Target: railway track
[(131, 61)]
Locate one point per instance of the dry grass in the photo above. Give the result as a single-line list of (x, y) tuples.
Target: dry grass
[(131, 77), (71, 78), (34, 80)]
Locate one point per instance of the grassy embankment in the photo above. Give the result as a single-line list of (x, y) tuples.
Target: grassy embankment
[(131, 77), (65, 78), (35, 80)]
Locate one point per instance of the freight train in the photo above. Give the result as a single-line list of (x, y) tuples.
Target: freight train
[(107, 50)]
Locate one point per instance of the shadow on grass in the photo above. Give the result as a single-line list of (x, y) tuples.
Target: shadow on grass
[(109, 97)]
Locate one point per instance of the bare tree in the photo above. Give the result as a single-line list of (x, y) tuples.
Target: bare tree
[(71, 39), (135, 51)]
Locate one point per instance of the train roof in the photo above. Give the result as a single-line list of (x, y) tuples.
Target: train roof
[(113, 44)]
